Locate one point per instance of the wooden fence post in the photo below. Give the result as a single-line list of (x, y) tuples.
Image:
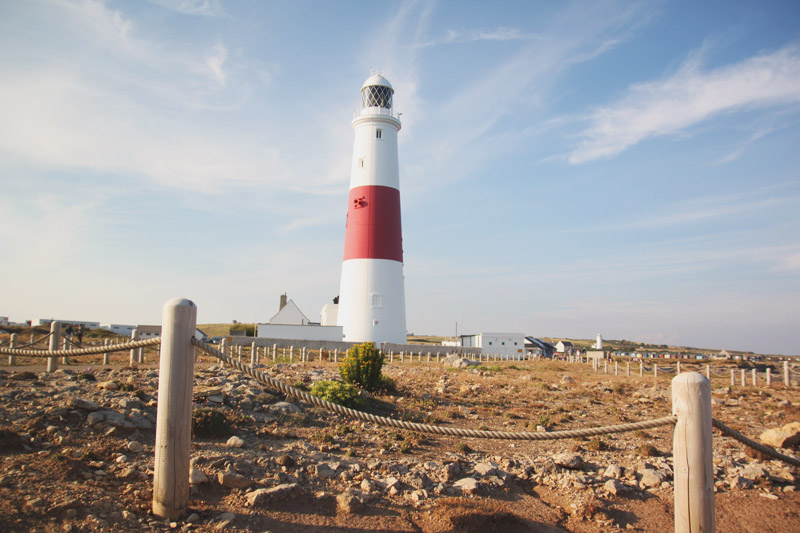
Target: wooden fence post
[(755, 377), (708, 372), (223, 347), (678, 368), (106, 355), (628, 368), (12, 343), (692, 455), (769, 376), (55, 340), (174, 414), (641, 369), (134, 336), (253, 353), (733, 377), (65, 347), (744, 377), (655, 370), (787, 380)]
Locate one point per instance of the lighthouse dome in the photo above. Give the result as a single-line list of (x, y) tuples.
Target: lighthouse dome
[(376, 92)]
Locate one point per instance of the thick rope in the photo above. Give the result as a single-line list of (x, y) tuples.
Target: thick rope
[(108, 348), (275, 384), (34, 342), (763, 448)]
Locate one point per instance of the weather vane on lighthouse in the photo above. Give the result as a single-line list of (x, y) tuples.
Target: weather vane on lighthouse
[(372, 295)]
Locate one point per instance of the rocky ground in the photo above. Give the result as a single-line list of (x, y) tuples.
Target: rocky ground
[(76, 448)]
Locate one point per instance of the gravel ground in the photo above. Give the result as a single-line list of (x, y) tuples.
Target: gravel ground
[(76, 448)]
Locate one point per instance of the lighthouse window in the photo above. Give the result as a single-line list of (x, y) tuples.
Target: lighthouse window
[(361, 162), (377, 300), (378, 133)]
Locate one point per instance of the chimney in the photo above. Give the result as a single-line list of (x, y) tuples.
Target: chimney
[(283, 301)]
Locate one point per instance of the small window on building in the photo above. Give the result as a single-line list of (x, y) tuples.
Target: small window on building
[(377, 300), (378, 133), (374, 322)]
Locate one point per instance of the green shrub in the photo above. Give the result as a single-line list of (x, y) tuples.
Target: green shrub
[(210, 423), (337, 392), (362, 367)]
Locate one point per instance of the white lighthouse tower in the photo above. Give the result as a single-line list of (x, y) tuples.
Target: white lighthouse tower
[(372, 304)]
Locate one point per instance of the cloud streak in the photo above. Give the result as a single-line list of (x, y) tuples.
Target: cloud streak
[(688, 97)]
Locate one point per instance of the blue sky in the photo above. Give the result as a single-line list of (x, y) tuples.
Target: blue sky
[(567, 168)]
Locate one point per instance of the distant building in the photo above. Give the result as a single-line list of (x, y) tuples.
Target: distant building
[(291, 323), (565, 347), (3, 320), (119, 329), (538, 347), (152, 332), (47, 321), (508, 344)]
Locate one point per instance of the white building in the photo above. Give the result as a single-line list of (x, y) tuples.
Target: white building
[(47, 321), (119, 329), (291, 323), (329, 315), (506, 344)]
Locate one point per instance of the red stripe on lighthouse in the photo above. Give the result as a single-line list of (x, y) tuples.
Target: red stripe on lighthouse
[(373, 224)]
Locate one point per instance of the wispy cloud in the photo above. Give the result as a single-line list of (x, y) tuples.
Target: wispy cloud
[(688, 97), (469, 36), (202, 8)]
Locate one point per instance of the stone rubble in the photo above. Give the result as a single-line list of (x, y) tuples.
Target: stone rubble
[(267, 462)]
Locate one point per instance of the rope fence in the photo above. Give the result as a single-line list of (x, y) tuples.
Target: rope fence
[(93, 350)]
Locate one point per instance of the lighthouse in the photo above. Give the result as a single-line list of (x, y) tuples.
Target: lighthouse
[(372, 305)]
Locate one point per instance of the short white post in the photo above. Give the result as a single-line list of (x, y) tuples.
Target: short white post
[(733, 377), (787, 380), (402, 356), (274, 352), (239, 353), (692, 455), (655, 370), (304, 356), (253, 353), (55, 340), (291, 354), (438, 354), (429, 357), (628, 368), (65, 347), (106, 355), (755, 377), (678, 368), (744, 377), (769, 376), (174, 414), (641, 369), (708, 372), (12, 343), (336, 355), (223, 347), (134, 337)]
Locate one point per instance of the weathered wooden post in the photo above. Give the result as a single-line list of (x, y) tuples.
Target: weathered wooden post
[(12, 343), (708, 372), (641, 369), (769, 376), (655, 370), (223, 347), (134, 337), (55, 340), (305, 356), (65, 347), (438, 355), (787, 380), (692, 455), (336, 355), (174, 415), (239, 353), (744, 378), (628, 368), (274, 352), (253, 353), (678, 368), (291, 354), (429, 357), (106, 354), (733, 377), (755, 377)]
